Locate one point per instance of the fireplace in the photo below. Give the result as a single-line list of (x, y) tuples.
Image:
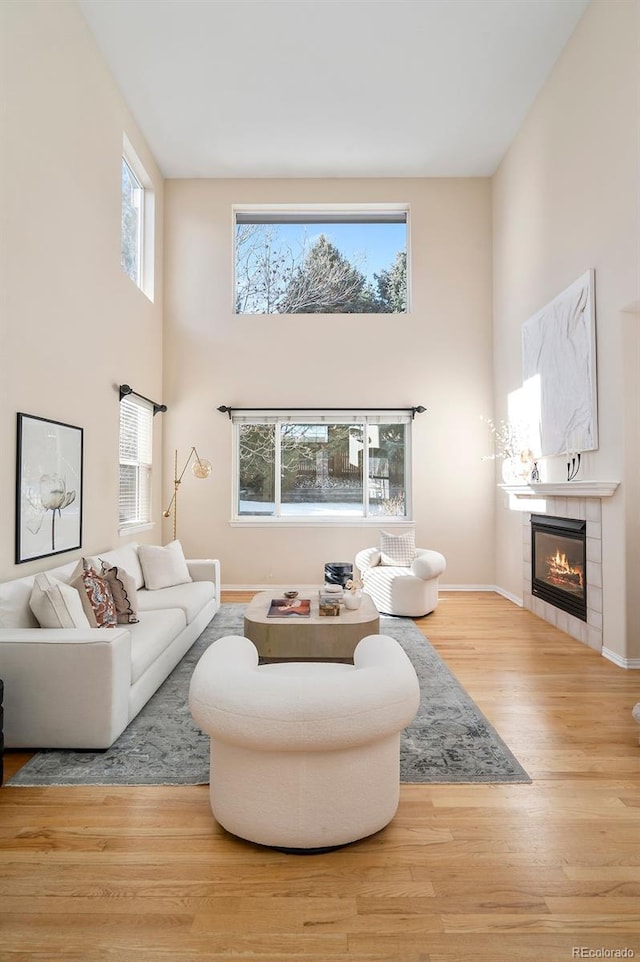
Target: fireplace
[(559, 563)]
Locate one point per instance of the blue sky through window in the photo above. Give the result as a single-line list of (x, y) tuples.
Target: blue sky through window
[(371, 247)]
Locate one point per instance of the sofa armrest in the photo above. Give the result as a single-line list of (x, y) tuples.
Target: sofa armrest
[(59, 636), (65, 687), (428, 564), (205, 569), (367, 558)]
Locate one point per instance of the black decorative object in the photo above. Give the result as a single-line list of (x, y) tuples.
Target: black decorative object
[(573, 466), (337, 573)]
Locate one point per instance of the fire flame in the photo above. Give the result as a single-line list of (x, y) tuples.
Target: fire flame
[(561, 571)]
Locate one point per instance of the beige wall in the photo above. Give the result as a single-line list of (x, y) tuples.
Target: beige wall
[(439, 355), (73, 325), (565, 199)]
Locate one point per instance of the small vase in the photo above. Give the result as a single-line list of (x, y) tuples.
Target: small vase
[(516, 470), (353, 599), (509, 475)]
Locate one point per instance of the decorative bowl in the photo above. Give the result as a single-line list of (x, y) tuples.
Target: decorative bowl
[(291, 594)]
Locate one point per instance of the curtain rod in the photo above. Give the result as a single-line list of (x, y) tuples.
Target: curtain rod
[(125, 390), (416, 409)]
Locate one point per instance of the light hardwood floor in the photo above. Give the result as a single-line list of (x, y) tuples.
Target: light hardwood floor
[(544, 872)]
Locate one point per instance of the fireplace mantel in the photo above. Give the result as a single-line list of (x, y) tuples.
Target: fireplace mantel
[(562, 489)]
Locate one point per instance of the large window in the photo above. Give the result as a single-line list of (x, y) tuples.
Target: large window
[(136, 434), (321, 261), (137, 224), (320, 468)]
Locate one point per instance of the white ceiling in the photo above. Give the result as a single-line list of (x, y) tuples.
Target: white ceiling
[(330, 88)]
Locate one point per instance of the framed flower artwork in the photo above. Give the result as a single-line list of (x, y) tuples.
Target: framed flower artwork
[(48, 487)]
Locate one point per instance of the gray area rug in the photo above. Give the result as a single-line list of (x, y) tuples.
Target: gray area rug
[(449, 741)]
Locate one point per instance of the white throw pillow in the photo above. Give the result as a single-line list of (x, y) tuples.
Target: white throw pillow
[(55, 604), (397, 549), (163, 567)]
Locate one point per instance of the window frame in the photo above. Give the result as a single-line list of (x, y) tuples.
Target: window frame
[(336, 520), (134, 408), (269, 214), (146, 234)]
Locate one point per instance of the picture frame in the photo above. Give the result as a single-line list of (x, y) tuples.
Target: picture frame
[(49, 465)]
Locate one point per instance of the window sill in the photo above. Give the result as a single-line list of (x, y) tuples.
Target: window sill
[(258, 522), (135, 529)]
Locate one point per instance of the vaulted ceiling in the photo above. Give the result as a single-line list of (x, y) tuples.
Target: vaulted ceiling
[(330, 88)]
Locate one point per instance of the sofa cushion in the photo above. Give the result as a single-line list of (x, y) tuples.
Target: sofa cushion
[(163, 567), (56, 604), (397, 549), (384, 574), (191, 598), (95, 595), (125, 557), (123, 589), (155, 631), (15, 611)]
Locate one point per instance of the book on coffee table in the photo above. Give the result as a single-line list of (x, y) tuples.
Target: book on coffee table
[(283, 607)]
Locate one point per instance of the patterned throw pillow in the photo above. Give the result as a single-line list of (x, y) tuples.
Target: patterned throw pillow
[(123, 589), (95, 595), (397, 549)]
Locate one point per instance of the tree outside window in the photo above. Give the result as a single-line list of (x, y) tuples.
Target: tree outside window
[(321, 263), (323, 469)]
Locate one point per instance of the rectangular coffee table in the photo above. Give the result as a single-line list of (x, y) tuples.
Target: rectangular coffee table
[(317, 636)]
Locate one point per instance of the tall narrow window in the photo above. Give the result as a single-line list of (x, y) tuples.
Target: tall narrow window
[(132, 224), (321, 260), (137, 224), (136, 434)]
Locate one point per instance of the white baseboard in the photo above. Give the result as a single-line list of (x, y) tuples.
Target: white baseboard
[(442, 587), (493, 588), (619, 660), (507, 594), (314, 587)]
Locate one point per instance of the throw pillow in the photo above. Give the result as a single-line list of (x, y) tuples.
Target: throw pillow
[(163, 566), (95, 595), (56, 604), (397, 549), (123, 589)]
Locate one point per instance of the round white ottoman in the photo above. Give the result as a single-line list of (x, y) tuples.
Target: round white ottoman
[(304, 755)]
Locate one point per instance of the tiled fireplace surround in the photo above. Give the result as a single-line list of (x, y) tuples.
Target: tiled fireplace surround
[(583, 509)]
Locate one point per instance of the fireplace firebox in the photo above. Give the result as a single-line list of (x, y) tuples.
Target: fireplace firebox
[(559, 563)]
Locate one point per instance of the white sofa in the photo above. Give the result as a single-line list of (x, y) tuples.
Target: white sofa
[(79, 688), (304, 755)]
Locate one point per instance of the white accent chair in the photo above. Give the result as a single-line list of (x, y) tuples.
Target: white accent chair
[(304, 755), (409, 590)]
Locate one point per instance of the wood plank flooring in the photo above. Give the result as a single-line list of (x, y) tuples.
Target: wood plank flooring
[(545, 872)]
